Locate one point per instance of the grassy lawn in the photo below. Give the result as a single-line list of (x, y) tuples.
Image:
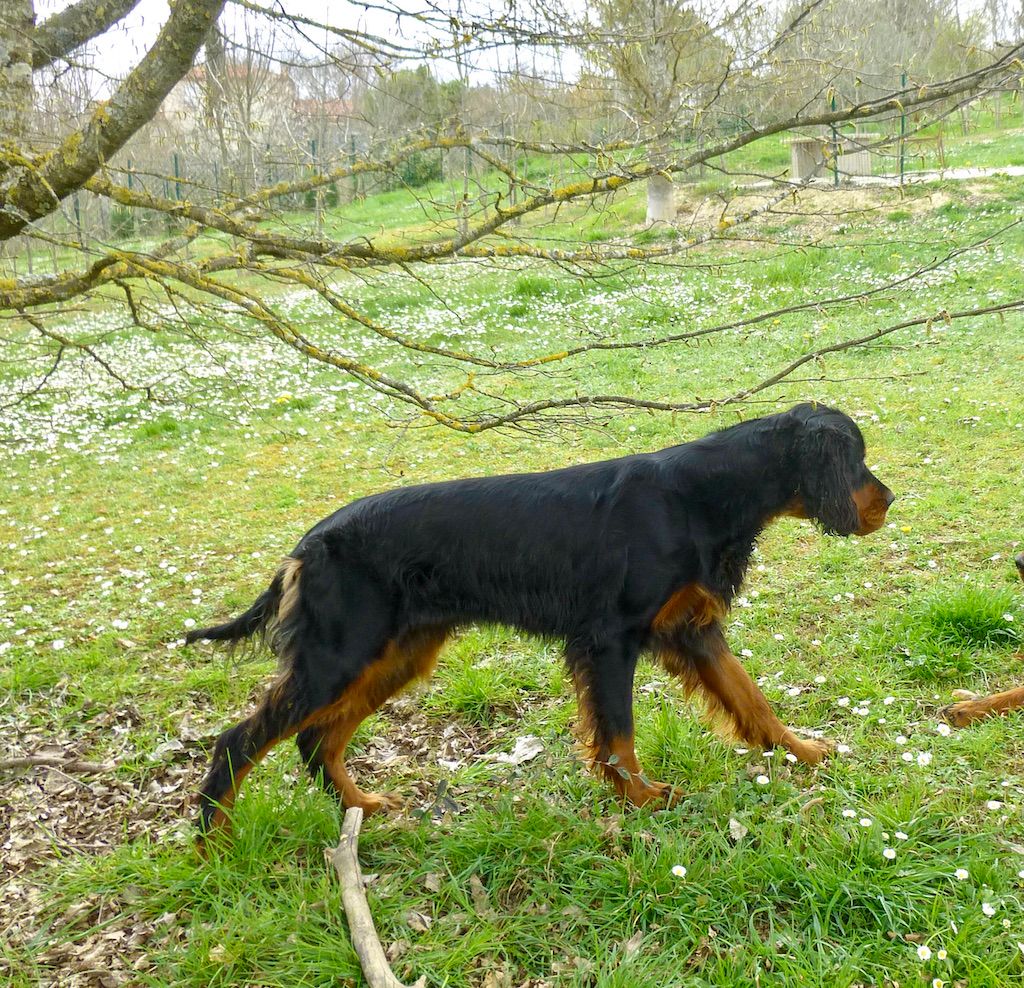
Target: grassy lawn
[(901, 860)]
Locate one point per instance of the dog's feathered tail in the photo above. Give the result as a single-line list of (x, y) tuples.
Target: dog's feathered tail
[(268, 614)]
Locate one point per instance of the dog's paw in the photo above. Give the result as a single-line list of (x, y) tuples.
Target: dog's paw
[(376, 802), (963, 713), (810, 751), (657, 795)]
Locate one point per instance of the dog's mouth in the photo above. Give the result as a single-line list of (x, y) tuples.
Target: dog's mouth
[(872, 501), (795, 508)]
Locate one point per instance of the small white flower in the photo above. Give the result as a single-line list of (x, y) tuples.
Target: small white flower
[(865, 821), (961, 874), (849, 814), (901, 739), (782, 638), (843, 749), (679, 871), (924, 952), (746, 653), (901, 836), (57, 644), (993, 804), (762, 780), (888, 854), (924, 758), (1007, 617), (938, 983), (843, 701), (889, 701), (988, 909), (790, 757), (944, 730), (941, 954), (190, 622), (907, 756), (819, 679)]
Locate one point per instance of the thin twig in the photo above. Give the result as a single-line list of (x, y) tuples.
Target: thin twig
[(56, 761)]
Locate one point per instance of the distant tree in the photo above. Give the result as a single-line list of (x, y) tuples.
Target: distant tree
[(857, 51), (667, 63), (406, 101), (241, 94)]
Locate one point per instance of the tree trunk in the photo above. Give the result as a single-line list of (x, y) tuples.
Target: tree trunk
[(215, 91), (17, 26), (660, 199), (661, 203)]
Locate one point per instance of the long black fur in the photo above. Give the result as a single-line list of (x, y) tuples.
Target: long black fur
[(252, 621), (587, 554)]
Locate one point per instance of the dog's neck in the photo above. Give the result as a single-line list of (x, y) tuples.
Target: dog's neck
[(716, 484), (746, 510)]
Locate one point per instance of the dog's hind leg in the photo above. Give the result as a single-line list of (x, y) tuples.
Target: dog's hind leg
[(240, 748), (603, 675), (702, 659), (314, 677), (323, 743)]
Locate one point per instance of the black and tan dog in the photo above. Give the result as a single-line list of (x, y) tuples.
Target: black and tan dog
[(967, 711), (642, 553)]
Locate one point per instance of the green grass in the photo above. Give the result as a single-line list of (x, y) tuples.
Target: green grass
[(110, 527), (533, 286), (943, 637)]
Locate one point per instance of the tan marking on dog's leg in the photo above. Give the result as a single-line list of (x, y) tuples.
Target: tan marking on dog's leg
[(399, 664), (968, 711)]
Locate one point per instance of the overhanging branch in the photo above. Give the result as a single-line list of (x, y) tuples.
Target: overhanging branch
[(52, 176), (75, 26)]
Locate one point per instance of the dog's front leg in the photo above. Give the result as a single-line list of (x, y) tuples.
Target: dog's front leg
[(702, 659), (967, 711)]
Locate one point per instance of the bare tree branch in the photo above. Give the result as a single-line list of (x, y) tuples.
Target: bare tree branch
[(46, 180), (74, 26)]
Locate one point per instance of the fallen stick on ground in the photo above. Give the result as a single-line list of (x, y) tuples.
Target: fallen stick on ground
[(345, 859), (55, 761)]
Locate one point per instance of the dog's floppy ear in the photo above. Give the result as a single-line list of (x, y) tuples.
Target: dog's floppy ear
[(825, 461)]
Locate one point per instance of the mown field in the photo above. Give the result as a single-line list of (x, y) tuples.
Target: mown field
[(901, 860)]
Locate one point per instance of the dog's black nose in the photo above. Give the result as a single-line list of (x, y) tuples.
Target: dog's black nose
[(889, 497)]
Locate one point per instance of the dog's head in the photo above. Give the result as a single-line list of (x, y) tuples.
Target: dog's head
[(1020, 565), (834, 485)]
